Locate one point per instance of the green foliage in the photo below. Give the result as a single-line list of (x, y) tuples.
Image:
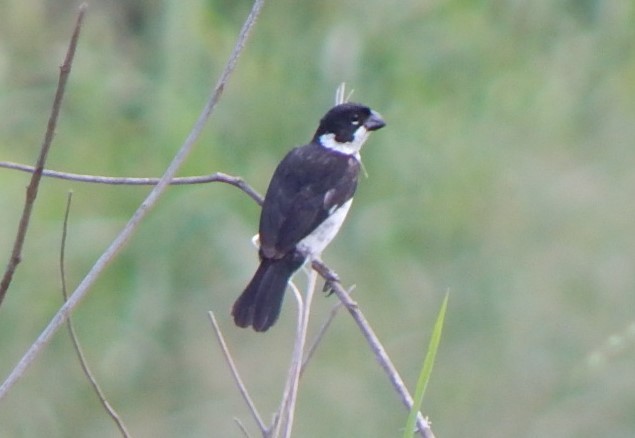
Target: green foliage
[(426, 370)]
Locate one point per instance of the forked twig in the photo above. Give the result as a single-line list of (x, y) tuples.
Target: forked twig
[(34, 184), (340, 94), (71, 331), (124, 236), (239, 381)]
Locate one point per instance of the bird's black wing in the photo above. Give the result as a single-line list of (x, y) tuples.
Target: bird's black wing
[(308, 185)]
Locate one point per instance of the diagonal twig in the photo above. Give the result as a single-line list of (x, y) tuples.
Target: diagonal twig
[(239, 381), (73, 335), (242, 428), (320, 335), (126, 233), (378, 349), (34, 184)]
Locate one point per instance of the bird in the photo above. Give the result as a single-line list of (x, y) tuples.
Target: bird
[(308, 198)]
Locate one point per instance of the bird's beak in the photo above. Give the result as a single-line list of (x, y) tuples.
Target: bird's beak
[(374, 122)]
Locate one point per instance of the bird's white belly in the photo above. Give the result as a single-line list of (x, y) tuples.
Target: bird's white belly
[(313, 244)]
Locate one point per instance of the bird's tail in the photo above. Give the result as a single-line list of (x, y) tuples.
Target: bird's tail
[(259, 305)]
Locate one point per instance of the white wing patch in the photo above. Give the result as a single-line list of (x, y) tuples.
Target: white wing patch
[(328, 198)]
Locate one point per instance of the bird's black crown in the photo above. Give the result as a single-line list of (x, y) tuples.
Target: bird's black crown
[(345, 119)]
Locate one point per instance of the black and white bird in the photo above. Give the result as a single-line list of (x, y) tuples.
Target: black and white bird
[(306, 203)]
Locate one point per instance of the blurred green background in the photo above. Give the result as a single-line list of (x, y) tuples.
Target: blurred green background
[(505, 175)]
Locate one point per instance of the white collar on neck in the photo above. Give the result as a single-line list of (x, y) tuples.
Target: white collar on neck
[(349, 148)]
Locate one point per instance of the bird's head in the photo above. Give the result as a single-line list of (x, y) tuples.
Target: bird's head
[(345, 127)]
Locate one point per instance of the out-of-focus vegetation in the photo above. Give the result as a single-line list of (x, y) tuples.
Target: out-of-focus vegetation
[(506, 175)]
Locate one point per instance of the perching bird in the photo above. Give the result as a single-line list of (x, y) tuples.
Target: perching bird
[(306, 203)]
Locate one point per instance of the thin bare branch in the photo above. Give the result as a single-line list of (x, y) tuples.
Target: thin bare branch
[(235, 181), (63, 248), (375, 345), (124, 236), (73, 335), (242, 428), (236, 375), (34, 184), (281, 417), (288, 410), (320, 335)]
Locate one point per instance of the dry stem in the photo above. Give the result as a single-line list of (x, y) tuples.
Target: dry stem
[(236, 375), (120, 241), (235, 181), (34, 184), (375, 345), (73, 335)]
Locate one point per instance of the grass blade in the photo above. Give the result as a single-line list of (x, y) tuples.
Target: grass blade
[(426, 371)]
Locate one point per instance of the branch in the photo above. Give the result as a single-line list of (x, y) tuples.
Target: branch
[(378, 349), (235, 181), (124, 236), (288, 404), (239, 381), (34, 184), (71, 331), (242, 428), (161, 184), (320, 335)]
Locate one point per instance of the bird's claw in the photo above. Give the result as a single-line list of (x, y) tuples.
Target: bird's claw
[(328, 284)]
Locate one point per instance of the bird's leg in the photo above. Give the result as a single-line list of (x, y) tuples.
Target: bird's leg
[(330, 276)]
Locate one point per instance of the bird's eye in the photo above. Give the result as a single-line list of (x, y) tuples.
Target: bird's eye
[(355, 119)]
